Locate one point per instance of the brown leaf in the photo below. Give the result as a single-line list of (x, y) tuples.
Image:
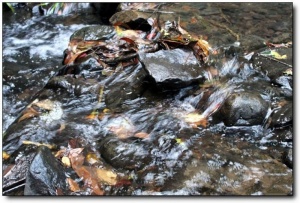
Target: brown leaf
[(73, 185), (59, 192), (76, 157), (89, 178), (28, 113), (142, 135)]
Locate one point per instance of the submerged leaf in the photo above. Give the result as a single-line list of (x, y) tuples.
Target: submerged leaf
[(74, 187), (76, 157), (273, 54), (92, 158), (28, 113), (66, 161), (142, 135), (5, 155), (107, 176), (89, 178), (196, 119)]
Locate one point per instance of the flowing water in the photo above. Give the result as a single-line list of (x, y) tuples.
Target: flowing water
[(176, 156)]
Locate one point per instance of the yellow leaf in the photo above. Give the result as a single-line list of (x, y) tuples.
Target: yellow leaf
[(5, 155), (179, 141), (92, 158), (106, 111), (107, 176), (66, 161), (277, 55)]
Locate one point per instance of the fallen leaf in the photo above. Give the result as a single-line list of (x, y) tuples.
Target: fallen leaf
[(66, 161), (74, 187), (142, 135), (59, 192), (92, 115), (28, 113), (92, 158), (5, 155), (89, 179), (107, 176), (179, 141), (196, 119), (76, 157), (60, 153)]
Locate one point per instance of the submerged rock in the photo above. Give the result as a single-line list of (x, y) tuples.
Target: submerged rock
[(283, 116), (124, 154), (173, 69), (124, 85), (45, 175), (244, 108)]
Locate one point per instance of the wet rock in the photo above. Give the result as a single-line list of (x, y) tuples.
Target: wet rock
[(287, 158), (45, 175), (285, 81), (124, 85), (105, 10), (244, 108), (173, 69), (272, 68), (283, 116), (95, 32), (14, 178), (127, 154)]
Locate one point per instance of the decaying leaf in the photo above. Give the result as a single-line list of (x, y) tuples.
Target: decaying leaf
[(89, 178), (66, 161), (76, 157), (107, 176), (74, 187), (5, 155), (196, 119), (92, 158), (92, 115), (273, 54), (28, 113), (142, 135)]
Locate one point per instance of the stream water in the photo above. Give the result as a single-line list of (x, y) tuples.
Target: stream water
[(177, 157)]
